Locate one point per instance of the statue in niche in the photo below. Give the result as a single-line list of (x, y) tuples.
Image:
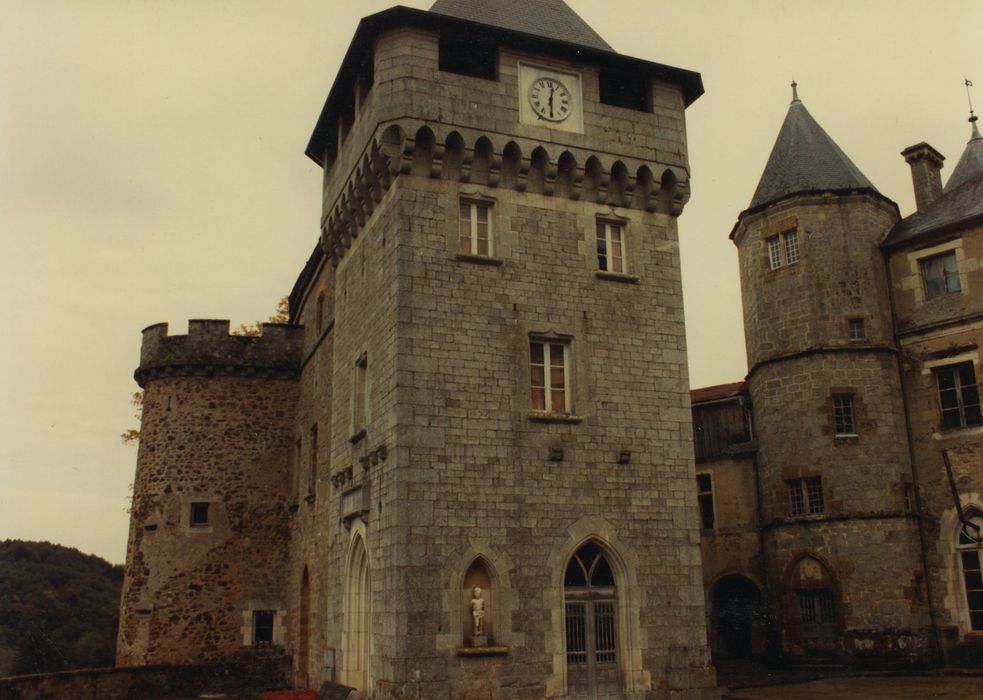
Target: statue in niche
[(478, 611)]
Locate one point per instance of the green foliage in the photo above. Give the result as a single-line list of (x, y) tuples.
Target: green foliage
[(59, 608)]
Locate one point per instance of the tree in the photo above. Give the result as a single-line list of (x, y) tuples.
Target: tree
[(281, 315)]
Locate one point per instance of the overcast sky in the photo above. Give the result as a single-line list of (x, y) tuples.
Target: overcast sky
[(152, 169)]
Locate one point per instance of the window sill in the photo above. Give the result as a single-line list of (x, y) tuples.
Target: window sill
[(478, 259), (958, 433), (847, 437), (544, 417), (200, 529), (357, 436), (616, 277)]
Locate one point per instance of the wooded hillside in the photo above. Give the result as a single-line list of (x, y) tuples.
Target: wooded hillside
[(59, 608)]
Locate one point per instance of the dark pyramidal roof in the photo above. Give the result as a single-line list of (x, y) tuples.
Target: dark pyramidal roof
[(971, 163), (805, 159), (551, 19)]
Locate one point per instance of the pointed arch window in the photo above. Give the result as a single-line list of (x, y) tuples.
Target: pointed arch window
[(590, 598), (971, 557)]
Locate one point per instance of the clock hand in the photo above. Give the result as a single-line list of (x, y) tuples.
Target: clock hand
[(552, 90)]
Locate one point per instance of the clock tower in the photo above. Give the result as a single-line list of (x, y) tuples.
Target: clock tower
[(497, 368), (491, 489)]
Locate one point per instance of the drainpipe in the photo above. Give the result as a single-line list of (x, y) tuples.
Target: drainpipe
[(914, 465)]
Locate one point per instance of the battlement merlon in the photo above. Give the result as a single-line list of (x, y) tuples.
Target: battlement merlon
[(209, 349)]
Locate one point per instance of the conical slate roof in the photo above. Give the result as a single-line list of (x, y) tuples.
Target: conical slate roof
[(552, 19), (970, 163), (804, 159)]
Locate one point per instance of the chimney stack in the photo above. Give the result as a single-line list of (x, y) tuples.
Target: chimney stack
[(926, 164)]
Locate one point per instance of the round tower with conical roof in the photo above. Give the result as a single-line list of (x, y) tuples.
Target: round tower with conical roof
[(841, 548)]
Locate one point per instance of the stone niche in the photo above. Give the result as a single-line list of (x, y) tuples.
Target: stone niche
[(478, 576)]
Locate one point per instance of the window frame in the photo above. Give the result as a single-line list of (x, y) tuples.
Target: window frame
[(856, 330), (474, 206), (806, 497), (945, 277), (783, 248), (256, 627), (959, 391), (360, 398), (704, 496), (604, 230), (844, 415), (197, 523), (547, 344)]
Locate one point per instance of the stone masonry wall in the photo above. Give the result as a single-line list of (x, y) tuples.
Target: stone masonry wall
[(225, 441), (936, 333)]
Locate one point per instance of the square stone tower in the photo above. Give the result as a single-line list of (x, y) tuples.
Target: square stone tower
[(494, 391), (492, 484)]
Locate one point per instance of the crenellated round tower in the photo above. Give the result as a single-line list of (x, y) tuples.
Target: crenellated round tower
[(205, 557), (840, 539)]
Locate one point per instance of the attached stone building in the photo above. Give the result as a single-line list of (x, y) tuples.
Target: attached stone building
[(484, 386), (858, 488)]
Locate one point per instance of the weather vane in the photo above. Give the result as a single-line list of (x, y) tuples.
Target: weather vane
[(969, 98)]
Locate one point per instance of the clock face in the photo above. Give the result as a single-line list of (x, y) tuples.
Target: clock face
[(550, 99)]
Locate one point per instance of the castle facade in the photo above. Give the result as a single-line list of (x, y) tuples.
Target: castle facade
[(465, 469)]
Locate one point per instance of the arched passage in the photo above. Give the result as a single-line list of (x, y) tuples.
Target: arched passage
[(591, 621), (737, 618)]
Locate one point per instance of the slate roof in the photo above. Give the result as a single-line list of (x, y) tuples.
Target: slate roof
[(956, 208), (805, 159), (970, 163), (552, 19), (717, 392)]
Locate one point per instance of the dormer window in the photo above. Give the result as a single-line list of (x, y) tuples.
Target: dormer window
[(940, 274)]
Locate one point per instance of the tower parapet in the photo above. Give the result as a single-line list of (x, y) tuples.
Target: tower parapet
[(209, 349)]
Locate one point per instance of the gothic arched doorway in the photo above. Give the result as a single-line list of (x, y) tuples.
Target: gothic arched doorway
[(591, 609), (812, 610), (736, 618), (971, 559), (355, 644)]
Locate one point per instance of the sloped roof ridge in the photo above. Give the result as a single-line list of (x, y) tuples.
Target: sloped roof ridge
[(970, 163), (805, 158), (552, 19)]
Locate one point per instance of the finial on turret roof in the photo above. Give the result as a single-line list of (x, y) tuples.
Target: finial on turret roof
[(795, 92), (972, 116)]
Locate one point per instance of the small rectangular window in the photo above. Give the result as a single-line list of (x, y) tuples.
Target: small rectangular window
[(796, 499), (263, 626), (621, 88), (805, 496), (791, 247), (475, 228), (199, 514), (704, 487), (959, 396), (610, 247), (319, 321), (312, 473), (940, 274), (843, 421), (467, 55), (297, 467), (549, 381), (856, 330), (360, 398), (814, 495), (783, 249), (774, 252)]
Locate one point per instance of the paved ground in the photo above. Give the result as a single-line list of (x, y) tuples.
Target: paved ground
[(870, 688)]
